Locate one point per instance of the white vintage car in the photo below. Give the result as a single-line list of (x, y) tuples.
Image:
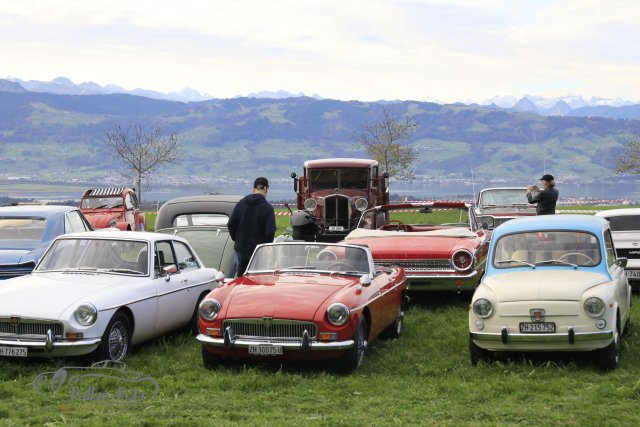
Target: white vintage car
[(553, 283), (101, 292), (625, 229)]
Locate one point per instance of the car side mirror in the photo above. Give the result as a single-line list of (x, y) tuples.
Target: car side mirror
[(621, 262), (168, 270), (365, 280), (295, 181)]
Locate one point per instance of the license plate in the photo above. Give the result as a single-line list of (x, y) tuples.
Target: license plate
[(634, 274), (13, 351), (537, 328), (336, 228), (265, 350)]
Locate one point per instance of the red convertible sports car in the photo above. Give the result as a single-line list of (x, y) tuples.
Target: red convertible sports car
[(303, 301), (440, 245)]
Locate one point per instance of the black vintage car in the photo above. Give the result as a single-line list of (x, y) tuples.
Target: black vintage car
[(202, 220)]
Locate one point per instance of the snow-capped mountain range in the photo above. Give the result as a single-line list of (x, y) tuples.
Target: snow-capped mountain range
[(529, 103)]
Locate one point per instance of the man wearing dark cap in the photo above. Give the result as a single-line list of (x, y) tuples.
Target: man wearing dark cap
[(252, 222), (545, 198)]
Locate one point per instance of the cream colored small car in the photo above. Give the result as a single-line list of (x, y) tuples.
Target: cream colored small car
[(552, 283)]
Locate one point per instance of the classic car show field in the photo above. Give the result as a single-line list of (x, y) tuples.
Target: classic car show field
[(423, 378)]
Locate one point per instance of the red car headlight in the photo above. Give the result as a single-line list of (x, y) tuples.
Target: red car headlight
[(209, 309), (337, 314), (462, 260)]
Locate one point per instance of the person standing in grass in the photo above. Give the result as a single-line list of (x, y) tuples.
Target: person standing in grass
[(545, 198), (252, 222)]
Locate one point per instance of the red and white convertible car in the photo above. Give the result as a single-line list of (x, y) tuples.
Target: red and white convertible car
[(443, 248)]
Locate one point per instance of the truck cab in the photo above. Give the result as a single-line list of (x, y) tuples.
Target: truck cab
[(332, 194)]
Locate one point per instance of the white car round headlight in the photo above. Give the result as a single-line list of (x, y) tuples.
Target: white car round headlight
[(361, 204), (483, 308), (337, 314), (209, 309), (86, 314), (310, 204), (594, 306)]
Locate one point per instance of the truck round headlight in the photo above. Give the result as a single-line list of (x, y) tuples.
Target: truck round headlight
[(86, 314), (361, 204), (482, 307), (337, 314), (209, 309), (594, 306), (310, 204), (462, 260)]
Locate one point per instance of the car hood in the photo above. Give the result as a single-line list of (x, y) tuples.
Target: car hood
[(535, 285), (294, 296), (48, 295), (413, 246), (102, 219)]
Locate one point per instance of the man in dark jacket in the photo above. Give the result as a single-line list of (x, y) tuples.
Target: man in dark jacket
[(545, 198), (252, 222)]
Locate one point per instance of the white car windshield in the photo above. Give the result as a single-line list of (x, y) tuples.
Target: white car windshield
[(102, 255), (315, 257), (536, 248), (503, 197)]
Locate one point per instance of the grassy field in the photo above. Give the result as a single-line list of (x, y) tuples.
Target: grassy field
[(423, 378)]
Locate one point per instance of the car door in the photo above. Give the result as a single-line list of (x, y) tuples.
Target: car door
[(623, 290), (175, 298)]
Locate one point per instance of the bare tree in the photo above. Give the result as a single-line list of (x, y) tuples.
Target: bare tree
[(141, 151), (628, 160), (384, 142)]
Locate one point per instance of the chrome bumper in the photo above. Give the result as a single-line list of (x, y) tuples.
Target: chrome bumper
[(50, 345), (570, 337), (442, 282), (311, 345)]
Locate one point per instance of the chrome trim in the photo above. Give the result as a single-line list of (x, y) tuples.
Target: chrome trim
[(41, 345), (474, 273), (577, 336), (243, 343)]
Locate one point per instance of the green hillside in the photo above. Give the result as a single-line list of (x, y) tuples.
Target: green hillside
[(59, 137)]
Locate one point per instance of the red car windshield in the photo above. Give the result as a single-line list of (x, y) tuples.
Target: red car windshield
[(101, 202)]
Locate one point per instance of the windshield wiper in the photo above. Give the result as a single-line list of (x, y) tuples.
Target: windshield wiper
[(119, 270), (297, 267), (516, 260), (553, 261), (80, 269), (346, 273)]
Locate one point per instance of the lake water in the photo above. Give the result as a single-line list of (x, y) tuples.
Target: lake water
[(283, 191)]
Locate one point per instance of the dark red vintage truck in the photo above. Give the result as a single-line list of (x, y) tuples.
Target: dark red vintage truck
[(332, 194)]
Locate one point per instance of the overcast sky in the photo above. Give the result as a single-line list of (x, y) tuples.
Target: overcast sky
[(448, 50)]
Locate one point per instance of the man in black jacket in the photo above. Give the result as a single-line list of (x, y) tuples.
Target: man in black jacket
[(545, 198), (252, 222)]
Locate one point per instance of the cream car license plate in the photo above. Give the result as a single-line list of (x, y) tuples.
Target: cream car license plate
[(13, 351), (633, 274), (265, 350), (537, 327), (336, 228)]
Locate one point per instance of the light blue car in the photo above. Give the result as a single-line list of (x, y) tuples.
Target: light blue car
[(552, 283), (27, 230)]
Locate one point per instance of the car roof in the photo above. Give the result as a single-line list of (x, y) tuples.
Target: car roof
[(106, 192), (110, 233), (207, 203), (340, 162), (44, 211), (588, 223), (619, 212)]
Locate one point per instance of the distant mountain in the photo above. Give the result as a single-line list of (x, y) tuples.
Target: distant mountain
[(525, 105), (60, 137), (625, 112), (9, 86)]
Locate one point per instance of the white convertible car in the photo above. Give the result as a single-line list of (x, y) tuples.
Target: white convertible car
[(552, 283), (101, 292), (625, 229)]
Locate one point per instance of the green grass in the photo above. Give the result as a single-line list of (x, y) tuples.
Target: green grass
[(424, 378)]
